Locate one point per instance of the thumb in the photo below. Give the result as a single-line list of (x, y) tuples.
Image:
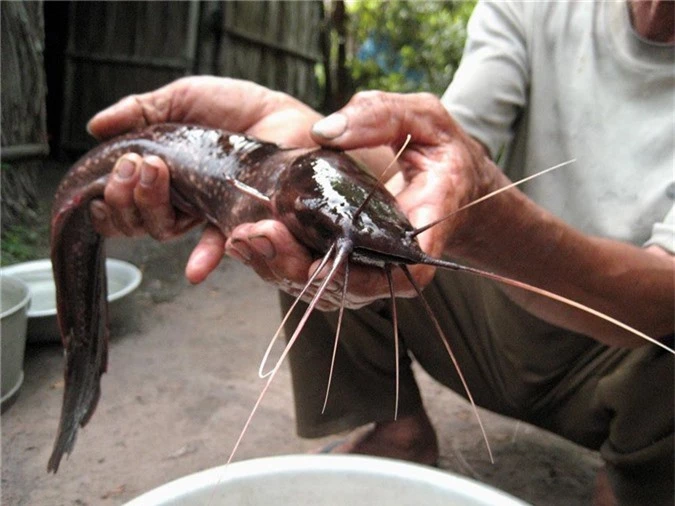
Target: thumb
[(375, 118), (132, 112)]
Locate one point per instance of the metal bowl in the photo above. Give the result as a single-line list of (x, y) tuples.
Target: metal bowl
[(322, 480), (123, 279), (14, 299)]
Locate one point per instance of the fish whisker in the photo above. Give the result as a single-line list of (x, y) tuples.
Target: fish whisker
[(444, 340), (263, 362), (344, 248), (345, 282)]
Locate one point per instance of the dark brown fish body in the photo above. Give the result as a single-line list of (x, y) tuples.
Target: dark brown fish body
[(315, 192)]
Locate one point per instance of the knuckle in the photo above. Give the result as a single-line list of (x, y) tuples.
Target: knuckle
[(154, 107), (370, 98), (131, 218), (160, 235), (118, 198), (103, 228), (148, 200), (120, 226), (426, 98)]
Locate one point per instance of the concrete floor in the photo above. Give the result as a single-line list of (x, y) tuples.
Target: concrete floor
[(181, 380)]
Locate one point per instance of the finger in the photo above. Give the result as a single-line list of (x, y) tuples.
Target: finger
[(119, 195), (218, 102), (366, 285), (376, 118), (239, 246), (206, 256), (272, 251), (152, 197), (100, 219), (327, 302), (284, 256)]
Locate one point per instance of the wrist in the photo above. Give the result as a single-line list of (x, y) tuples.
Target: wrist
[(477, 225), (508, 232)]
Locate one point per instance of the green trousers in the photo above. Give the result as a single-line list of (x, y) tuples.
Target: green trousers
[(614, 400)]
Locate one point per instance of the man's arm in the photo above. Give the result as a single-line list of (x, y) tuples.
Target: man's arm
[(550, 254), (516, 238)]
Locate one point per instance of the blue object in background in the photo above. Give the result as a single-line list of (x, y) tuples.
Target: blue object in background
[(380, 50)]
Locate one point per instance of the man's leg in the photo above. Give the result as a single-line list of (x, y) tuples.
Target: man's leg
[(364, 383), (639, 452), (618, 401), (514, 363), (363, 386)]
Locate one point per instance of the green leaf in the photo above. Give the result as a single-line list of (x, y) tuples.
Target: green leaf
[(419, 43)]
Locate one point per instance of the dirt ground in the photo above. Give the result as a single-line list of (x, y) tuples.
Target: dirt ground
[(181, 380)]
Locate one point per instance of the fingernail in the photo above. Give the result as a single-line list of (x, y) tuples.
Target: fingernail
[(331, 126), (148, 174), (125, 169), (98, 212), (334, 287), (196, 259), (239, 250), (263, 246)]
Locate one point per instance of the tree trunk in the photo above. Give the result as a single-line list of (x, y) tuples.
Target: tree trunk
[(23, 92), (339, 86)]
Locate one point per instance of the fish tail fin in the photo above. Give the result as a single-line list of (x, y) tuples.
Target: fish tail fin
[(78, 261)]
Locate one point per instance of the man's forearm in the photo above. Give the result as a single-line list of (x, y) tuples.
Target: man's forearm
[(517, 238)]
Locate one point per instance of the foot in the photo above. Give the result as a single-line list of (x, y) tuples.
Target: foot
[(411, 438)]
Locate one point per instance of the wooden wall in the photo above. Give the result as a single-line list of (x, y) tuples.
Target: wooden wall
[(118, 48), (276, 44)]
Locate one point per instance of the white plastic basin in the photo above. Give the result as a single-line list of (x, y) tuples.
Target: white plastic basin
[(323, 480)]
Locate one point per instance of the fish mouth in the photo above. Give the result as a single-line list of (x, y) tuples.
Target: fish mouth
[(367, 256)]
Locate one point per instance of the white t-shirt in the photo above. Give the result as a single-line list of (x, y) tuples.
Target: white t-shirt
[(545, 82)]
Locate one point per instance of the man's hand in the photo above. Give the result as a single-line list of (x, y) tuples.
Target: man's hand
[(442, 168), (137, 195)]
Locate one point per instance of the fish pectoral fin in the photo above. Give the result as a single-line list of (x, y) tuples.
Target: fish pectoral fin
[(251, 192)]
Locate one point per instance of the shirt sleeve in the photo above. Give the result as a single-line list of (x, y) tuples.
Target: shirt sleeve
[(490, 87), (663, 233)]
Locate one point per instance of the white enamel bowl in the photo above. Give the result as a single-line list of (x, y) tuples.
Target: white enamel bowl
[(123, 279), (323, 480)]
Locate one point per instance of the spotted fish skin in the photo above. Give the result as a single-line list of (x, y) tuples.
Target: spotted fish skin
[(315, 192), (201, 162)]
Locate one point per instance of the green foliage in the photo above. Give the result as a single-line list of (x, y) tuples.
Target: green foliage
[(22, 243), (27, 238), (417, 45)]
